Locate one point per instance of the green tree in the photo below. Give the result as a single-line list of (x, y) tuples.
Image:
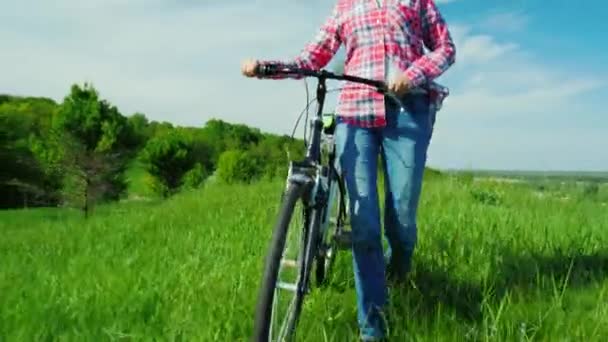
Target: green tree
[(167, 157), (202, 147), (236, 166), (23, 181), (140, 128), (222, 136), (157, 128), (95, 143), (195, 177)]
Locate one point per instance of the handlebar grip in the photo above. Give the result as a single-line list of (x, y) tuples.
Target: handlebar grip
[(259, 69), (265, 70)]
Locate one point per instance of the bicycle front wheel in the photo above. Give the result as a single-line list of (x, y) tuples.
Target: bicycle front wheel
[(284, 282)]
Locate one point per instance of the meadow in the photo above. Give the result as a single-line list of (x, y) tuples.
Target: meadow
[(496, 261)]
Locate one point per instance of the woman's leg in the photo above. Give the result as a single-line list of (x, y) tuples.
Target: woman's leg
[(404, 141), (357, 156)]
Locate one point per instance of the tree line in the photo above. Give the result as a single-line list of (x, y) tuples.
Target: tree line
[(76, 153)]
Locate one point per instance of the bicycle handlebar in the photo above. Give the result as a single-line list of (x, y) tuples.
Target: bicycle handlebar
[(268, 70), (264, 70), (271, 70)]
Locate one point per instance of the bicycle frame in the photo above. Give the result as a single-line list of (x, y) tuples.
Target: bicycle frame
[(307, 171), (310, 171)]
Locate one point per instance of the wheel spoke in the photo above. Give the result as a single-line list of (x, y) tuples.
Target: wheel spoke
[(283, 332)]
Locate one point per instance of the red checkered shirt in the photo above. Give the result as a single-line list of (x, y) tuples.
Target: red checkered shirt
[(377, 34)]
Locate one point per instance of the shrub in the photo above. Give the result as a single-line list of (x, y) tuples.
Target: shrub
[(195, 177), (168, 157), (236, 166), (591, 189), (487, 195)]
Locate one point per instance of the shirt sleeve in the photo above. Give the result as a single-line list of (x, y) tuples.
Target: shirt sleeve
[(318, 52), (438, 40)]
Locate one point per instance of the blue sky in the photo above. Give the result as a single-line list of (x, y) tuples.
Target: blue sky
[(527, 87)]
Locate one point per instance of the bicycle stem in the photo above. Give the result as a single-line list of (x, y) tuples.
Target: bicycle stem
[(313, 152)]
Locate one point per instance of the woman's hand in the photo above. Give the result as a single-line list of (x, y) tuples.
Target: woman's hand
[(400, 85), (248, 67)]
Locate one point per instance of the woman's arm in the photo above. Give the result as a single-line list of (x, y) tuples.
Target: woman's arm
[(317, 53), (437, 38)]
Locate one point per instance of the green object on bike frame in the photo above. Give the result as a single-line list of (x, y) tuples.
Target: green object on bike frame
[(328, 120)]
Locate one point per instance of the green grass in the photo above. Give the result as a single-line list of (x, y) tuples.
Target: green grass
[(494, 262)]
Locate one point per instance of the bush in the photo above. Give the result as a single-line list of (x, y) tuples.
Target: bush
[(168, 157), (156, 186), (430, 174), (487, 195), (195, 177), (236, 166), (591, 190)]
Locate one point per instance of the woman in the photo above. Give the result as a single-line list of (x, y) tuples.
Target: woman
[(383, 39)]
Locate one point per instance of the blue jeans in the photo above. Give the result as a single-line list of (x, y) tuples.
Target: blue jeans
[(402, 145)]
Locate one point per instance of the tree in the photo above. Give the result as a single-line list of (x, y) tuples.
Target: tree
[(167, 157), (195, 177), (140, 128), (222, 136), (91, 176), (23, 181), (202, 147), (236, 166), (156, 128), (93, 141)]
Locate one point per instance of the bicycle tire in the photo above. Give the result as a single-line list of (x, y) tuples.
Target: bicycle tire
[(266, 296)]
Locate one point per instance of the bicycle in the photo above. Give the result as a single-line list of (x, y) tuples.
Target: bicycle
[(314, 184)]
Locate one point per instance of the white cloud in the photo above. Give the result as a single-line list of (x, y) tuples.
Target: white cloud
[(179, 61), (493, 77), (506, 21), (509, 110), (482, 48)]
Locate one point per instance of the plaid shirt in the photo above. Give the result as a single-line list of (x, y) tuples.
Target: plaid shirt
[(377, 35)]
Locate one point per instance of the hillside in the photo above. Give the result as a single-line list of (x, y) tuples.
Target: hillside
[(495, 262), (582, 176)]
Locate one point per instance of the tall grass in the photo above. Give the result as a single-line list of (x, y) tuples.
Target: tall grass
[(494, 262)]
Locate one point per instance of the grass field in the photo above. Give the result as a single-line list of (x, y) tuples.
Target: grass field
[(495, 261)]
